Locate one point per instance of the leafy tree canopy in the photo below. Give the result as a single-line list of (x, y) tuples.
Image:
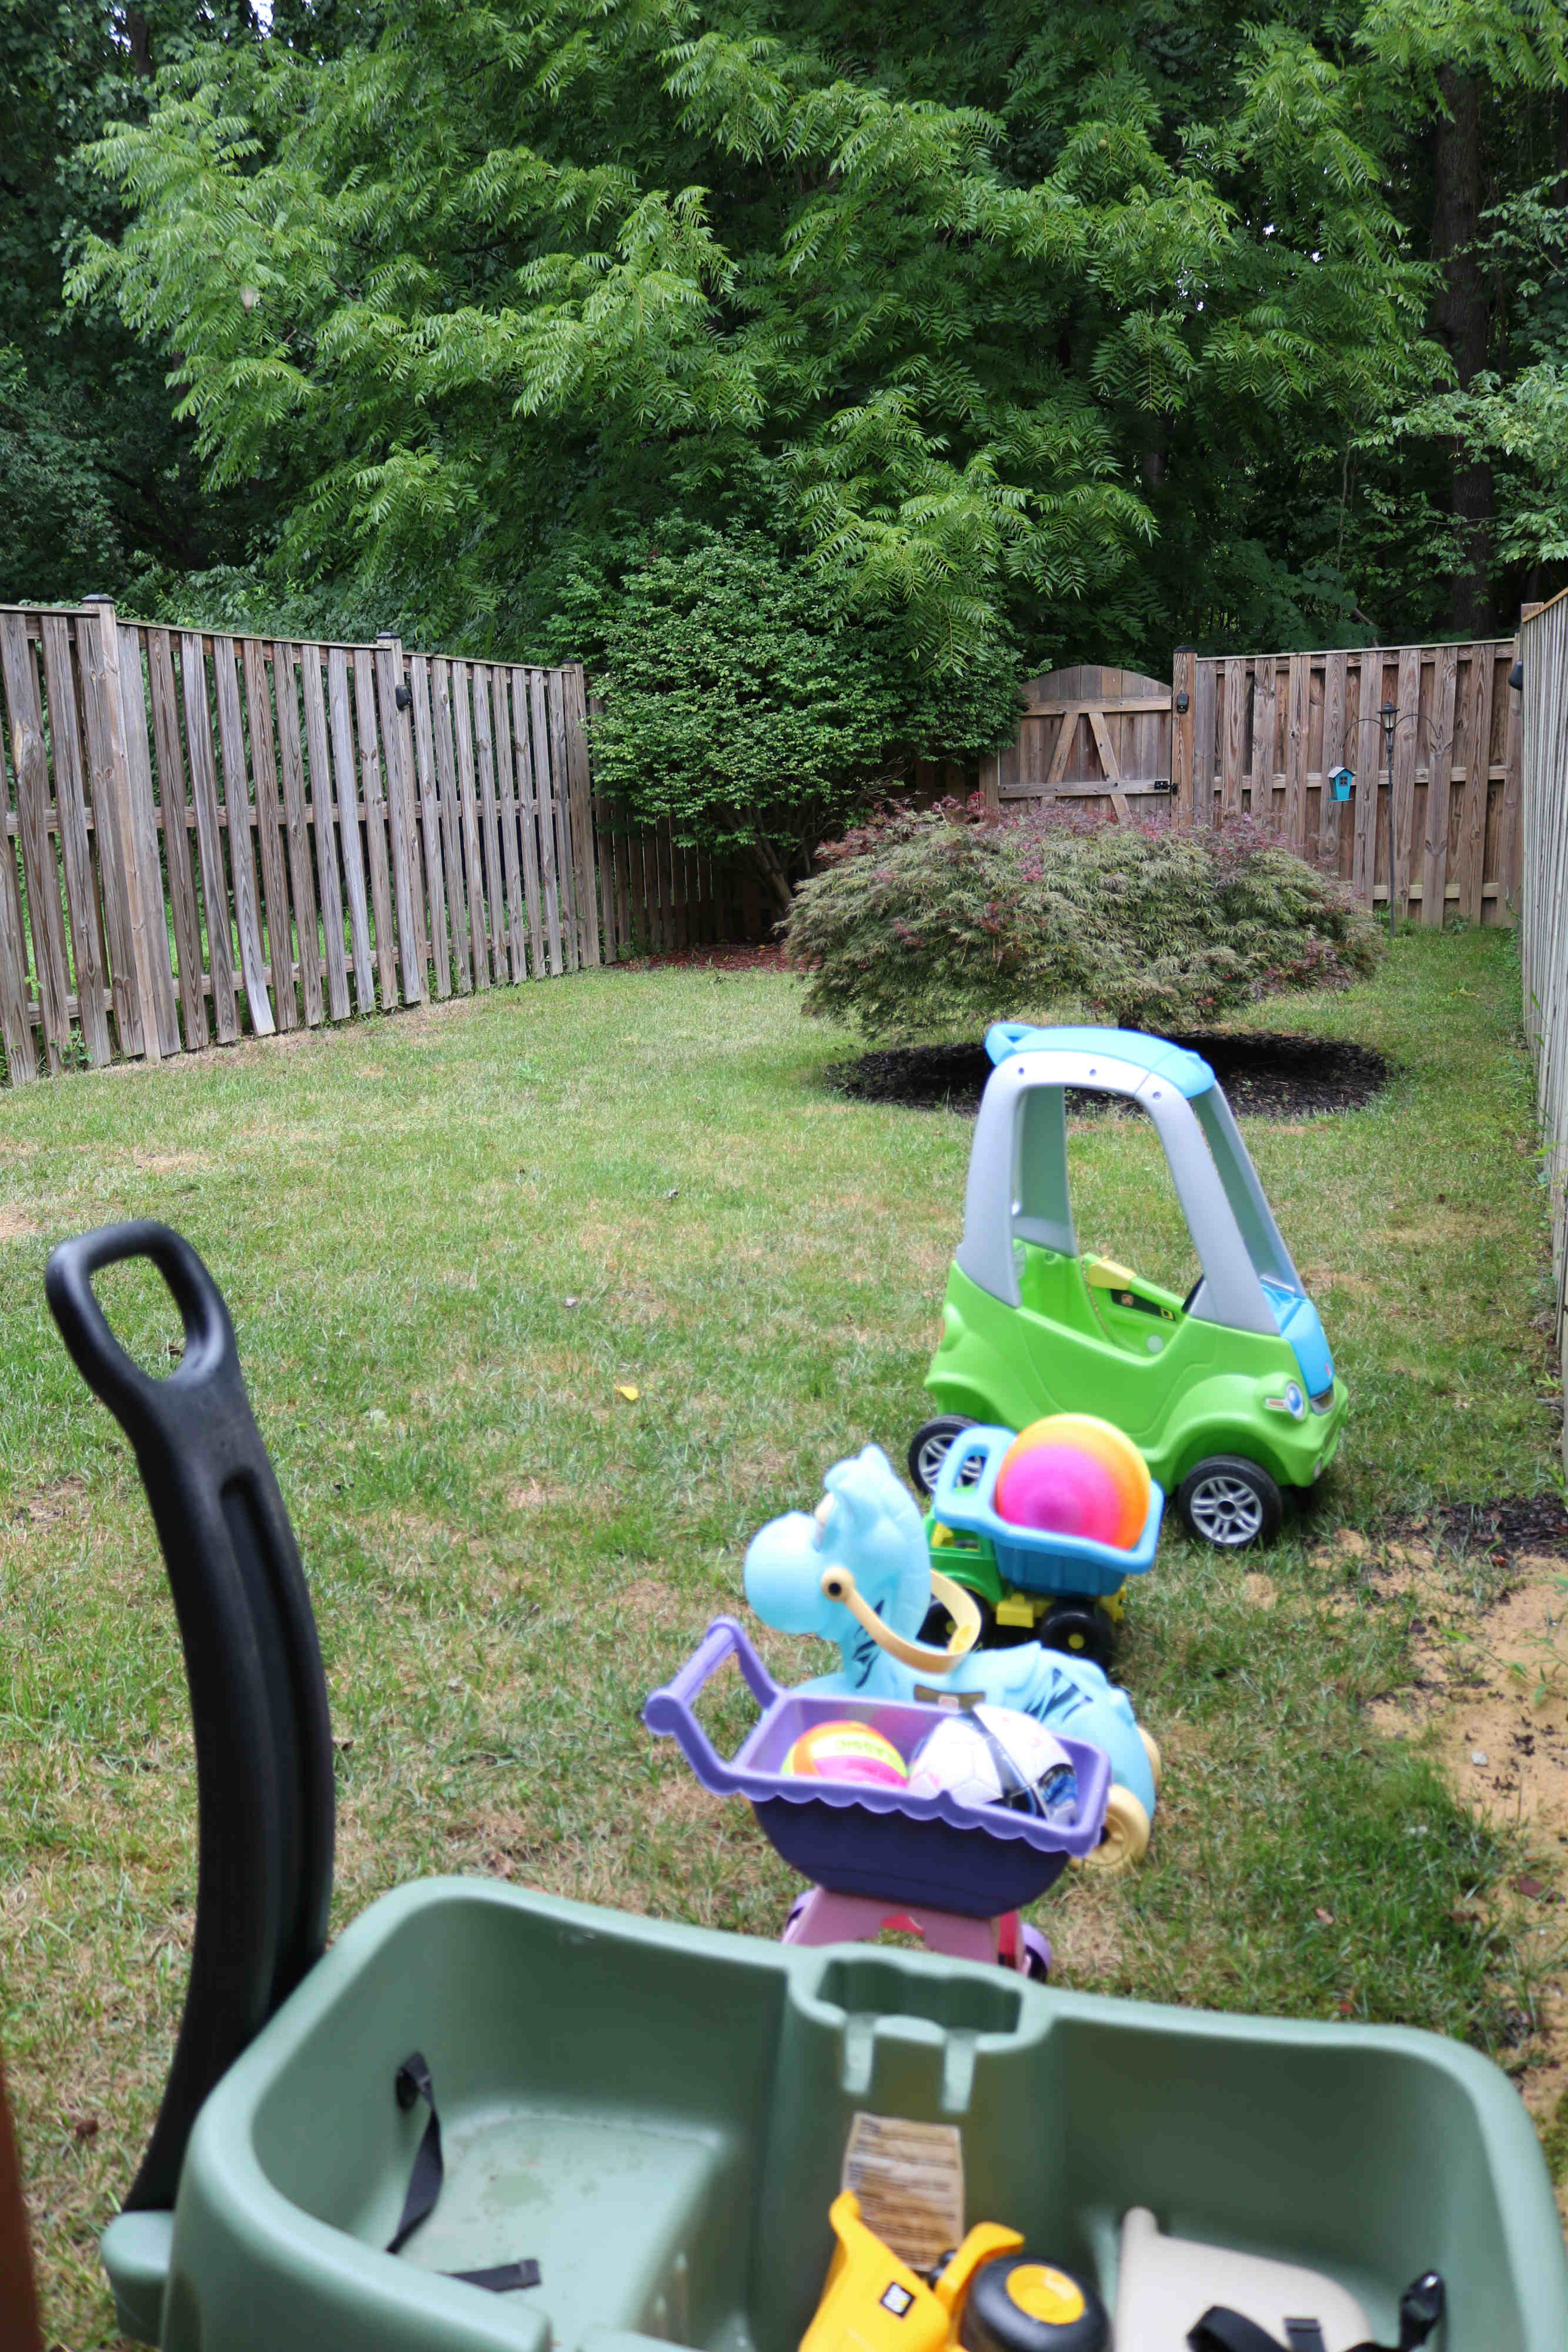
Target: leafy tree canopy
[(941, 303)]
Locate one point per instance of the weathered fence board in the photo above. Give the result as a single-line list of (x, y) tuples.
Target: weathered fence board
[(323, 818), (89, 963), (171, 762)]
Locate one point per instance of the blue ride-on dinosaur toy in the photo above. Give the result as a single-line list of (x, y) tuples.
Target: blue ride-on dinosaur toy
[(857, 1571)]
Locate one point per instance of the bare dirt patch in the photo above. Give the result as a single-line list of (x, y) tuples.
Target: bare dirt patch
[(65, 1499), (1490, 1697), (15, 1225)]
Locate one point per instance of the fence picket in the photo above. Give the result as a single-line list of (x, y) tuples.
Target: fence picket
[(269, 832), (345, 775), (90, 962), (451, 824), (1478, 783), (1440, 771), (1368, 765), (469, 808), (151, 928), (323, 820), (16, 1001), (242, 853), (105, 746), (506, 817), (215, 888), (1265, 732), (1405, 748), (1333, 757), (408, 882), (561, 810), (1298, 692), (19, 670), (430, 823), (579, 792), (373, 794), (485, 766), (174, 806), (301, 869), (527, 821), (544, 799)]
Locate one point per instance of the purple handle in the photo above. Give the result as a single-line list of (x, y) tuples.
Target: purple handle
[(669, 1709)]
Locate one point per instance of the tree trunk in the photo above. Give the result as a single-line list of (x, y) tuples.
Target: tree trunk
[(1461, 323), (775, 874), (139, 35)]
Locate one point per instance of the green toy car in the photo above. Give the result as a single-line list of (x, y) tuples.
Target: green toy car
[(1229, 1394)]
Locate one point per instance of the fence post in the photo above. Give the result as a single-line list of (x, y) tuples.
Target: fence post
[(1183, 680), (121, 816), (579, 783), (991, 782), (408, 883)]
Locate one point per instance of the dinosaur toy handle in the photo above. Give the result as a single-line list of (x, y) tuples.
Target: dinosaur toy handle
[(839, 1584)]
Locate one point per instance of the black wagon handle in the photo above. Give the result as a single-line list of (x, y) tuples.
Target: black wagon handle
[(131, 1394), (252, 1664)]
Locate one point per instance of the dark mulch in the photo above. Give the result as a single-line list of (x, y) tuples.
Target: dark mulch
[(730, 955), (1266, 1076), (1501, 1529)]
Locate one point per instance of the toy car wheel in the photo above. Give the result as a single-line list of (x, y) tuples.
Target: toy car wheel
[(928, 1447), (1125, 1838), (1152, 1749), (1230, 1502), (1080, 1629), (937, 1628)]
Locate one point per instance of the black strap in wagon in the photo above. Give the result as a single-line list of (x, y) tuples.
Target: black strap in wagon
[(411, 2082), (1222, 2330)]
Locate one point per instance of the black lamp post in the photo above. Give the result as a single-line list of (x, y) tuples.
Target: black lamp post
[(1389, 715)]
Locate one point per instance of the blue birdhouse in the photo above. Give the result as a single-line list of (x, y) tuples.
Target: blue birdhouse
[(1343, 783)]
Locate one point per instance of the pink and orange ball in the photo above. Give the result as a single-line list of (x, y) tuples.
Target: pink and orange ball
[(844, 1750), (1072, 1475)]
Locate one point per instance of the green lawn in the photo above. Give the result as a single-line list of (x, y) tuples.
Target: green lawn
[(446, 1238)]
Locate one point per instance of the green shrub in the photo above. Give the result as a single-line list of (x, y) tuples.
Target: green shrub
[(746, 703), (930, 922)]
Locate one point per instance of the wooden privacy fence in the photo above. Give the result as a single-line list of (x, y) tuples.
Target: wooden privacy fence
[(1259, 734), (1543, 906), (206, 835), (1262, 732)]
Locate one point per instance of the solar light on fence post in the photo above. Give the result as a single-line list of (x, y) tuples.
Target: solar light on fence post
[(1343, 783)]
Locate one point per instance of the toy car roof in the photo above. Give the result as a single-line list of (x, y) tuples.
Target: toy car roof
[(1189, 1072)]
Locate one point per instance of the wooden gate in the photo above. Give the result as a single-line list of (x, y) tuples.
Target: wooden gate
[(1100, 738)]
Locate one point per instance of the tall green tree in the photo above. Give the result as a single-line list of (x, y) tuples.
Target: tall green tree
[(101, 487), (1034, 331), (984, 358)]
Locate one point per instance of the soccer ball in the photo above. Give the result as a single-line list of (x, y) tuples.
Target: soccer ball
[(996, 1755)]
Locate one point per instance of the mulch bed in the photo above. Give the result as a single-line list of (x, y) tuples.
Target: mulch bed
[(1267, 1076), (730, 956)]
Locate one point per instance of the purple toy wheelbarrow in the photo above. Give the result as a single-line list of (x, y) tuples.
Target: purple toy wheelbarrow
[(953, 1873)]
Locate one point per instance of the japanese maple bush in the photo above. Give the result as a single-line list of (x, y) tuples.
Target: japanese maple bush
[(927, 922)]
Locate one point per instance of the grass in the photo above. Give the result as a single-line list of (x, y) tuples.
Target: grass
[(447, 1238)]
